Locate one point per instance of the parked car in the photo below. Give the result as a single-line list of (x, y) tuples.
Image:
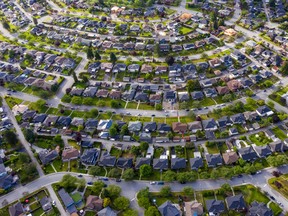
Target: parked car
[(152, 183), (118, 180), (160, 183)]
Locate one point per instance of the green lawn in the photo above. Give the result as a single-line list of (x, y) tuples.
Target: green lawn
[(207, 102), (74, 144), (48, 169), (260, 139), (212, 148), (115, 152), (251, 194), (275, 208), (132, 105), (283, 180), (279, 133), (11, 101), (144, 106), (76, 197)]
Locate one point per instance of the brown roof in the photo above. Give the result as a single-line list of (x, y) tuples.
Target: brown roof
[(193, 208), (115, 94), (234, 85), (230, 157), (146, 68), (68, 154), (179, 127), (222, 90), (155, 97), (94, 202), (102, 93)]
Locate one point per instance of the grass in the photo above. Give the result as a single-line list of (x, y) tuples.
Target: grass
[(275, 208), (74, 144), (207, 102), (144, 106), (283, 180), (170, 120), (260, 139), (132, 105), (212, 148), (279, 133), (48, 169), (115, 152), (76, 197), (11, 101), (251, 194)]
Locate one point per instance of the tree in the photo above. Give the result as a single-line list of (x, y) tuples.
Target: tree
[(170, 135), (97, 187), (157, 51), (113, 131), (76, 100), (215, 174), (169, 176), (152, 211), (124, 130), (144, 146), (66, 98), (68, 182), (74, 77), (158, 107), (23, 158), (227, 97), (29, 135), (114, 104), (188, 191), (165, 191), (284, 68), (106, 202), (170, 60), (192, 85), (113, 191), (10, 137), (90, 54), (128, 174), (97, 56), (184, 177), (114, 173), (94, 112), (144, 202), (88, 101), (78, 137), (101, 103), (277, 161), (57, 139), (6, 25), (113, 58), (145, 170), (121, 203), (94, 171)]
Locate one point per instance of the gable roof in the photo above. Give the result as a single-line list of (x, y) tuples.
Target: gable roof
[(16, 209), (107, 160), (247, 153), (236, 202), (230, 157), (259, 209), (215, 206), (167, 209), (178, 163), (196, 163), (124, 162), (142, 161), (160, 164), (106, 212)]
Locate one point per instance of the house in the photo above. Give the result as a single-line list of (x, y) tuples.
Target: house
[(236, 203), (69, 154), (146, 68), (170, 96), (262, 151), (76, 121), (142, 161), (209, 125), (124, 163), (238, 119), (64, 121), (230, 157), (155, 98), (90, 91), (145, 137), (107, 160), (134, 126), (224, 122), (197, 95), (163, 128), (270, 134), (39, 118), (104, 125), (222, 90), (116, 95), (259, 209), (29, 114), (215, 207), (193, 208), (277, 146), (45, 204), (67, 201), (213, 160), (264, 111), (178, 163), (133, 68), (89, 156), (94, 203), (160, 164), (16, 209), (169, 209), (210, 92), (47, 156), (91, 124), (234, 85), (107, 212), (196, 163), (247, 153), (102, 93), (141, 96), (214, 62), (183, 96), (149, 126), (179, 127), (195, 126)]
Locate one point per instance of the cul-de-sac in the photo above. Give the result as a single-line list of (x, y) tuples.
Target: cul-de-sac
[(143, 107)]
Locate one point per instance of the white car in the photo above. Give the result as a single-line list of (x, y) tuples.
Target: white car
[(152, 183)]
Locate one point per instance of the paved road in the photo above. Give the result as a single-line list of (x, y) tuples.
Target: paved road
[(129, 189)]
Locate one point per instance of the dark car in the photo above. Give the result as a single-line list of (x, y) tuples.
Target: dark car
[(80, 176), (160, 183), (118, 180), (105, 179), (89, 183)]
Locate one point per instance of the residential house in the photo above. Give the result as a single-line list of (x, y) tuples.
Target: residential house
[(142, 161), (264, 111), (236, 203), (47, 156), (247, 153), (155, 98), (133, 68), (238, 119), (67, 201), (64, 121), (215, 207), (149, 126), (277, 146), (196, 163), (102, 93), (209, 125), (134, 126), (104, 125), (89, 156), (178, 163), (262, 151), (170, 209), (213, 160), (141, 96), (210, 92), (234, 85), (179, 127), (69, 154), (124, 163), (214, 62), (230, 157), (170, 96), (224, 122), (90, 91), (163, 128), (195, 126), (107, 160), (183, 96), (94, 203), (16, 209), (259, 209), (107, 212), (45, 204), (193, 208), (146, 68), (116, 95), (197, 95), (91, 124)]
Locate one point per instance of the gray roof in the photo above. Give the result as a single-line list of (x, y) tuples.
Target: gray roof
[(89, 156), (106, 212), (142, 161), (196, 163), (178, 163), (47, 156), (215, 206), (160, 164), (236, 202), (107, 160), (167, 209), (259, 209)]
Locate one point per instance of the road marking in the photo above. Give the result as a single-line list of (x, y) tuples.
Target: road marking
[(132, 199)]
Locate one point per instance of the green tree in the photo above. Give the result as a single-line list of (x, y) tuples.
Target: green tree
[(157, 51), (113, 58), (152, 211), (113, 191), (128, 174), (144, 202), (124, 130), (158, 107), (114, 104), (144, 146), (145, 170), (169, 176), (75, 77), (10, 137), (68, 182), (215, 174), (284, 68), (130, 212), (93, 112), (113, 131), (94, 171), (90, 54), (97, 56), (29, 135), (188, 191), (169, 60), (165, 191), (227, 97), (121, 203), (101, 103), (23, 158), (106, 202), (66, 98), (76, 100), (114, 173), (88, 101), (6, 25), (192, 85), (277, 161)]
